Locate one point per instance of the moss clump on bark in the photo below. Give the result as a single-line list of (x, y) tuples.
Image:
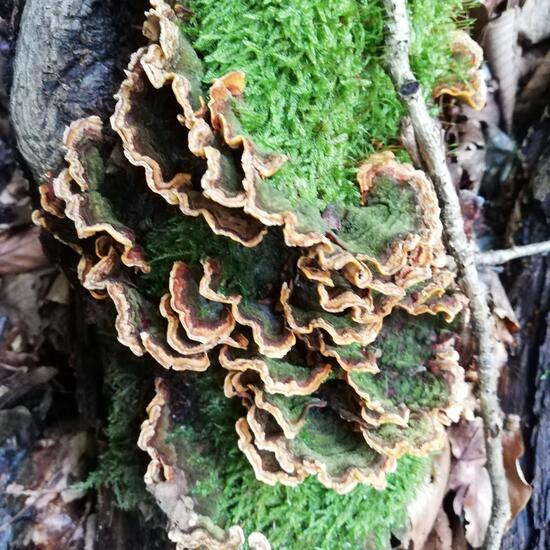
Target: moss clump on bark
[(120, 465), (316, 85), (250, 272), (307, 516)]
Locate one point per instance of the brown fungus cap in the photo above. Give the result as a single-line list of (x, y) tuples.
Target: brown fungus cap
[(473, 91), (169, 482)]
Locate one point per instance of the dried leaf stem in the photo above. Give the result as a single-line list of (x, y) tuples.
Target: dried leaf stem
[(432, 151), (497, 257)]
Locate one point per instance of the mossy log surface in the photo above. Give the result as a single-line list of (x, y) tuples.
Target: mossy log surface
[(211, 252)]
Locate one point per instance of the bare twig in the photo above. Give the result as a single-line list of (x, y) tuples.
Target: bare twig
[(432, 150), (497, 257)]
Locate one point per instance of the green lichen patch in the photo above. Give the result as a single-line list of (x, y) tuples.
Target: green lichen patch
[(316, 85), (391, 389), (306, 516), (389, 213), (292, 407), (403, 348)]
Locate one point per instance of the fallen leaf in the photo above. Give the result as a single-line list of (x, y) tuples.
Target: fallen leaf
[(424, 509), (534, 20), (441, 535), (500, 44), (476, 505), (470, 479), (533, 96), (19, 383), (468, 155), (493, 6), (519, 491), (15, 201), (471, 208), (500, 303), (45, 488), (21, 251), (59, 291)]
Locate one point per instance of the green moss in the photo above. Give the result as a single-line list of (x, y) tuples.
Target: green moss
[(121, 466), (417, 391), (352, 352), (405, 341), (418, 432), (251, 272), (272, 325), (316, 85), (283, 370), (307, 516), (306, 308)]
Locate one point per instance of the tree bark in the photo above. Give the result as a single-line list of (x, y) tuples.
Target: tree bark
[(69, 61), (528, 387)]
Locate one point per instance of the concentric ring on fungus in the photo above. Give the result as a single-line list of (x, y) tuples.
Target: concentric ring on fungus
[(345, 342)]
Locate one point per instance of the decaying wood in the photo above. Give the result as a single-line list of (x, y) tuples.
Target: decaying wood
[(528, 380), (68, 64), (433, 153)]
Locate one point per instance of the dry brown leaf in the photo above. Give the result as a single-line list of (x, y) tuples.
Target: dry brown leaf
[(500, 44), (21, 251), (424, 509), (476, 505), (441, 536), (59, 291), (15, 202), (20, 300), (534, 95), (470, 479), (501, 306), (534, 20), (470, 206), (519, 490), (20, 381), (467, 161), (492, 5)]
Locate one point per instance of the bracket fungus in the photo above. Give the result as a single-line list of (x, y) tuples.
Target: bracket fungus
[(331, 324), (472, 90)]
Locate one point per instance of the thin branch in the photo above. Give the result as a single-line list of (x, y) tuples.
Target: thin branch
[(497, 257), (432, 150)]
